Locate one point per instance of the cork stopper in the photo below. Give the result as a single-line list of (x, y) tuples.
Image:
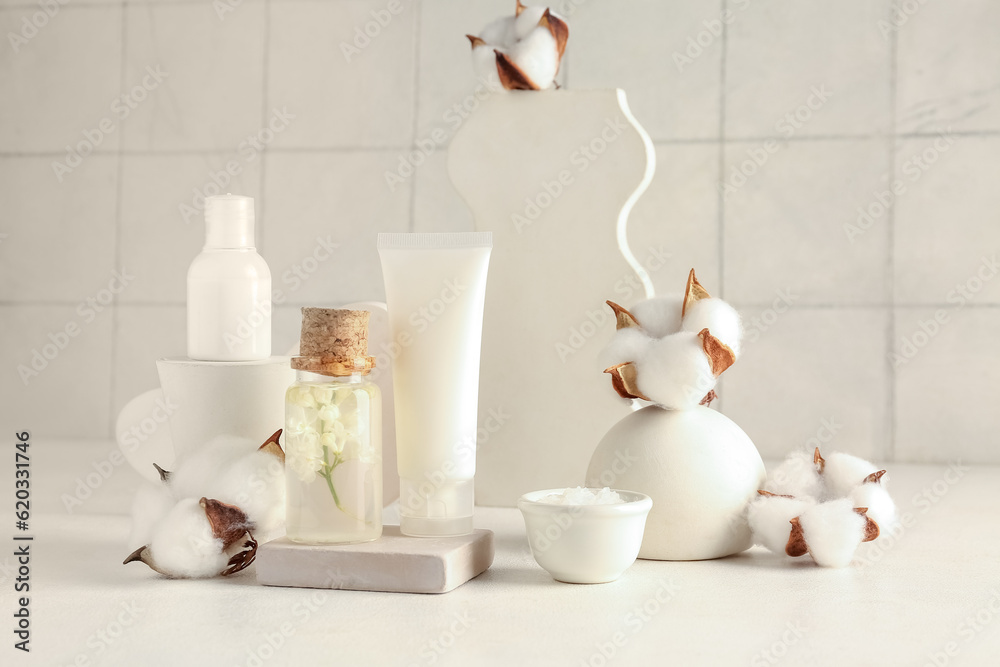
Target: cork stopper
[(334, 342)]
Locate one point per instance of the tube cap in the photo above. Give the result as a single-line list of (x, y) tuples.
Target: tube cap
[(229, 221), (431, 509)]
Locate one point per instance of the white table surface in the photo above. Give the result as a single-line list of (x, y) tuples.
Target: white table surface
[(906, 601)]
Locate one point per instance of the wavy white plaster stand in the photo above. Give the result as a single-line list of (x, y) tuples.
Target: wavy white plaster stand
[(554, 176)]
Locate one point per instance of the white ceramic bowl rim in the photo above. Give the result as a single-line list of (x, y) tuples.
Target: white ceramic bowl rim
[(635, 503)]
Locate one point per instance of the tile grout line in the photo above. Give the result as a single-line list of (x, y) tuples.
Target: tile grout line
[(119, 194), (264, 84), (396, 149), (414, 124), (890, 442), (720, 199), (820, 306)]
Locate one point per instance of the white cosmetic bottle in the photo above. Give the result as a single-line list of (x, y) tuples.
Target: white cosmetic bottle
[(229, 287)]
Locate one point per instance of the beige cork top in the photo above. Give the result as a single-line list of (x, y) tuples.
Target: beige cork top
[(334, 342)]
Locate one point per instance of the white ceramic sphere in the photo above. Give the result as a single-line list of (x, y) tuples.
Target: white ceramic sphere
[(699, 468)]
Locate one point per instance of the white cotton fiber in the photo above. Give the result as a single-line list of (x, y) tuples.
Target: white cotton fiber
[(254, 482), (194, 471), (770, 517), (152, 502), (660, 316), (675, 371), (721, 320), (626, 345), (537, 57), (843, 472), (796, 476), (881, 508), (833, 531), (183, 544)]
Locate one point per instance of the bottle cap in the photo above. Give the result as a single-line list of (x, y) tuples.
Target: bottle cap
[(334, 342), (229, 221), (436, 507)]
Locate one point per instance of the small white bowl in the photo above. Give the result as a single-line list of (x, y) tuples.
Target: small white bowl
[(585, 544)]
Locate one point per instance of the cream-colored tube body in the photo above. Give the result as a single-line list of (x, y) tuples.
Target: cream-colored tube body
[(435, 286)]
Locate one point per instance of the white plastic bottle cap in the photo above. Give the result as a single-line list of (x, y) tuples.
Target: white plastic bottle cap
[(229, 221), (436, 507)]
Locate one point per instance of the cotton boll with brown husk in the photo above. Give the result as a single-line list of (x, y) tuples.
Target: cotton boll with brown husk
[(672, 364), (718, 317), (255, 482), (198, 539), (675, 372), (798, 475), (831, 532), (521, 52), (881, 507), (770, 518), (842, 472), (239, 472)]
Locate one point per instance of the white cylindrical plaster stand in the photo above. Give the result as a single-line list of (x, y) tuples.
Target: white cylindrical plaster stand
[(212, 398), (553, 175)]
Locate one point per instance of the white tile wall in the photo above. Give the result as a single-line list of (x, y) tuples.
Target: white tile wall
[(709, 79)]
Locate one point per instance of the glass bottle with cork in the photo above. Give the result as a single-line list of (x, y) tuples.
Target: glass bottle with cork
[(333, 433)]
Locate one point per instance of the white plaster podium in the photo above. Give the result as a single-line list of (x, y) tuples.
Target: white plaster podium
[(553, 175)]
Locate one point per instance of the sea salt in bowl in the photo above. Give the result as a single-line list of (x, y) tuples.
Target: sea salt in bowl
[(579, 536)]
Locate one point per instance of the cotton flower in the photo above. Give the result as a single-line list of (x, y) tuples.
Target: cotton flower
[(825, 507), (521, 52), (194, 540), (241, 486), (671, 350)]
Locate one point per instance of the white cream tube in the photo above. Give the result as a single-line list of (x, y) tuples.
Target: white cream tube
[(435, 288)]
